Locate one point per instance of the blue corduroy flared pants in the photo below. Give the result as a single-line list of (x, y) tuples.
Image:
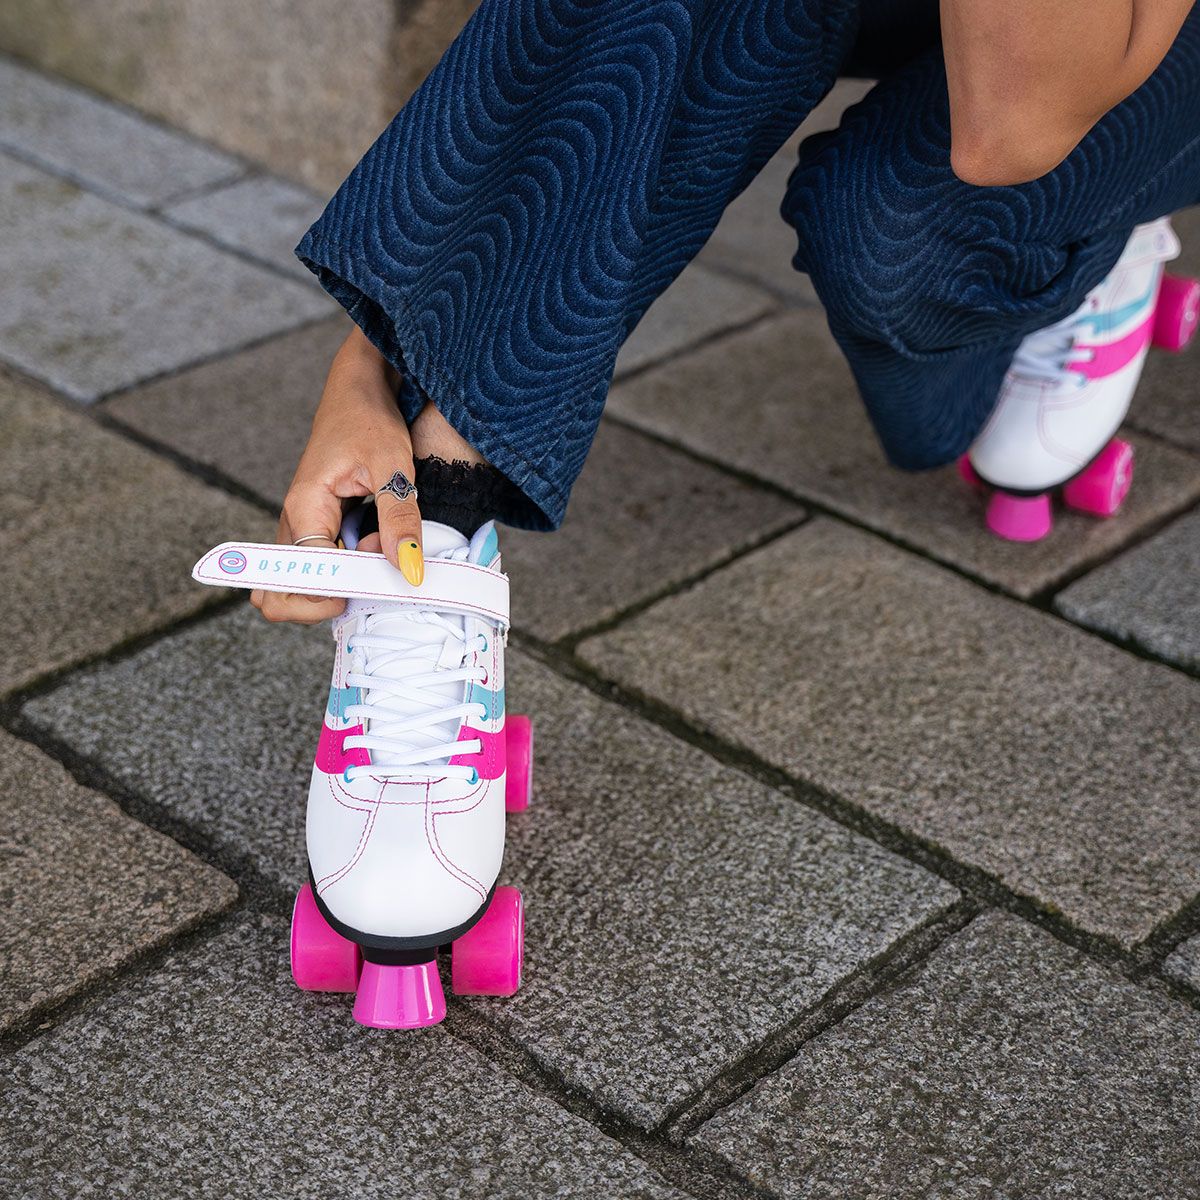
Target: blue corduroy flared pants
[(567, 158)]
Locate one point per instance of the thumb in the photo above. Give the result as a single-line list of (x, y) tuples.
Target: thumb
[(399, 516)]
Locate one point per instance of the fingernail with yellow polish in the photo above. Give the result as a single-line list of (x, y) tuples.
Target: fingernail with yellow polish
[(411, 563)]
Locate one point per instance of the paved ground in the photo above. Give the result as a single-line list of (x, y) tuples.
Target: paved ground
[(865, 857)]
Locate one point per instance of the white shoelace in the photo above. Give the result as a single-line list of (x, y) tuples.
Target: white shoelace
[(1047, 355), (413, 667)]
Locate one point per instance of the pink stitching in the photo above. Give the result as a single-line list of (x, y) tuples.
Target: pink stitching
[(339, 875), (451, 868)]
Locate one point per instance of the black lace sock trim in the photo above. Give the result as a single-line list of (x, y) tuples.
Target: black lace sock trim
[(464, 495)]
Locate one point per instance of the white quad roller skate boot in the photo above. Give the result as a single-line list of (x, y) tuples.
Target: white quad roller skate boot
[(1069, 389), (415, 768)]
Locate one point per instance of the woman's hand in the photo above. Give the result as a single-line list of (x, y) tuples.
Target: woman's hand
[(358, 441)]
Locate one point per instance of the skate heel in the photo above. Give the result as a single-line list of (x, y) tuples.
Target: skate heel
[(1177, 312), (1019, 518), (1101, 488), (518, 779), (487, 959), (399, 997), (322, 960)]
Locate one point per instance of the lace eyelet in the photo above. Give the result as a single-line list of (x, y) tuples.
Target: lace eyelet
[(483, 681), (474, 777), (346, 776), (486, 643)]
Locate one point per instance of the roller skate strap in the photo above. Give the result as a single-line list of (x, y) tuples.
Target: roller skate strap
[(459, 587)]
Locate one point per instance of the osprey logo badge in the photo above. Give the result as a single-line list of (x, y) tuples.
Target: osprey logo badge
[(232, 562)]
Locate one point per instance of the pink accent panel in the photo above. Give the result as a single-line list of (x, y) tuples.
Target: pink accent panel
[(333, 757), (491, 760), (518, 782), (487, 959), (1112, 356), (1101, 488), (1177, 314), (1019, 518), (408, 997), (322, 960)]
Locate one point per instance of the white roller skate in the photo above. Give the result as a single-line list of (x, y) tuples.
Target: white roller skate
[(1069, 388), (415, 768)]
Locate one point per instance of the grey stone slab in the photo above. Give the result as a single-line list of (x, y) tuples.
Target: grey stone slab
[(697, 306), (237, 709), (97, 297), (1149, 595), (217, 1077), (85, 888), (1012, 741), (1009, 1066), (642, 518), (261, 216), (778, 400), (1184, 963), (673, 904), (98, 536), (1166, 400), (107, 148), (248, 414), (304, 86)]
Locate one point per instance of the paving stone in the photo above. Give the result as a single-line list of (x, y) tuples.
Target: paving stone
[(97, 535), (698, 305), (642, 517), (98, 297), (261, 216), (107, 148), (1148, 595), (85, 887), (304, 85), (1165, 403), (1009, 1066), (779, 401), (1010, 740), (236, 772), (249, 414), (1184, 964), (674, 904), (216, 1076)]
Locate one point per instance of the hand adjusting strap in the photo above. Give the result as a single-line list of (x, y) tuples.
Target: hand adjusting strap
[(449, 586)]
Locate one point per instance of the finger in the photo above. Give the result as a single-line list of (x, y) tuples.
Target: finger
[(302, 610), (313, 510), (399, 519)]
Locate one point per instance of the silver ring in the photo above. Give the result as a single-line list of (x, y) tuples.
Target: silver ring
[(313, 537), (399, 486)]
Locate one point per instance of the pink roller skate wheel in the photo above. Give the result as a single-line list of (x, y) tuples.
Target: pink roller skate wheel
[(322, 960), (1102, 487), (1019, 518), (407, 997), (486, 960), (969, 474), (518, 780), (1177, 313)]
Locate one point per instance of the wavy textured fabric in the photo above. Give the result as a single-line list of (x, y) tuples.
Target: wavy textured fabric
[(567, 158)]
